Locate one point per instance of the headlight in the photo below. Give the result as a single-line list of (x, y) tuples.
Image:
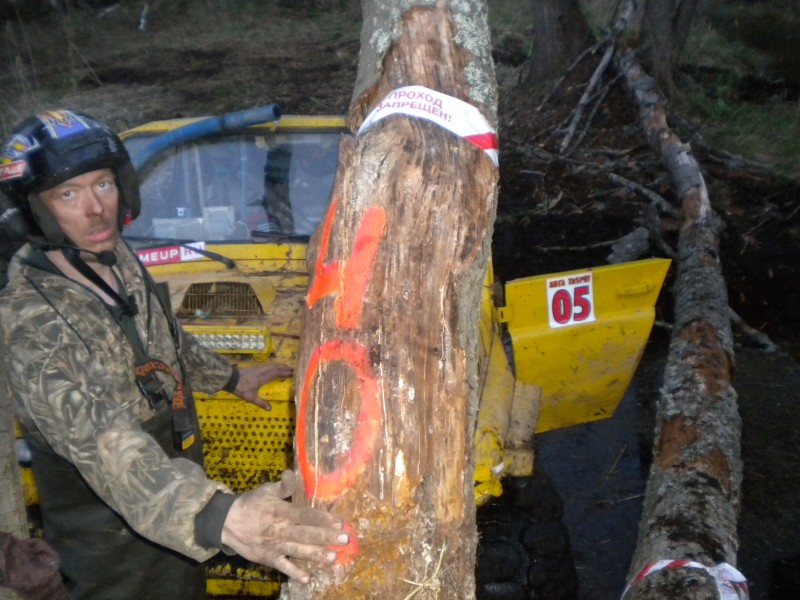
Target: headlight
[(231, 342)]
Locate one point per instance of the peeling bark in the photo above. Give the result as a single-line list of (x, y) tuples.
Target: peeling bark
[(387, 373), (693, 491), (12, 508)]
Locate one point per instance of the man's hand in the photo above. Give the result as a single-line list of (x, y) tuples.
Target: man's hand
[(262, 527), (253, 377)]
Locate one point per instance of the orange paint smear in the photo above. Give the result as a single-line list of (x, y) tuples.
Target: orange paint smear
[(329, 486), (347, 280), (346, 555)]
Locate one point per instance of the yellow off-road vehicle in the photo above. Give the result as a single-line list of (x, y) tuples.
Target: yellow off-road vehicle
[(227, 212)]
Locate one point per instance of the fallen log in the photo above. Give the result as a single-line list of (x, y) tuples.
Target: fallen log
[(687, 540)]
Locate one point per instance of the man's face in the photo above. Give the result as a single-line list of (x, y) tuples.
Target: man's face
[(85, 208)]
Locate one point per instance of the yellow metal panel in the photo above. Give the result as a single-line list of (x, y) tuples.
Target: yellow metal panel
[(245, 445), (233, 587), (229, 580), (29, 491), (507, 411), (250, 258), (584, 367)]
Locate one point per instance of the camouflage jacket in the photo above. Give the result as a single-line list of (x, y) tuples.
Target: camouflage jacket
[(71, 370)]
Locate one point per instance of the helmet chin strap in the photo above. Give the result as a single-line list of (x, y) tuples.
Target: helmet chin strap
[(73, 256)]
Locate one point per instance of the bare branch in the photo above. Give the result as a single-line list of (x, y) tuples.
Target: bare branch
[(759, 337), (655, 199)]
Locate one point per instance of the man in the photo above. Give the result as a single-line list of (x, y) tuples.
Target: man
[(100, 374)]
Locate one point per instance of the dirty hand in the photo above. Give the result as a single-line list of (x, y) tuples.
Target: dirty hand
[(253, 377), (266, 529)]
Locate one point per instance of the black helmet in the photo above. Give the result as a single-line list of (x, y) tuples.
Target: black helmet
[(52, 147)]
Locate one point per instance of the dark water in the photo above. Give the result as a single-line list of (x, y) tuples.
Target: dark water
[(600, 470)]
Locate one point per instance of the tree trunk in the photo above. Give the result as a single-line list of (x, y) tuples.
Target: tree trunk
[(560, 34), (12, 509), (687, 539), (665, 30), (387, 375)]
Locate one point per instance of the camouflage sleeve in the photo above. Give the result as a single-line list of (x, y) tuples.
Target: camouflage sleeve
[(89, 410)]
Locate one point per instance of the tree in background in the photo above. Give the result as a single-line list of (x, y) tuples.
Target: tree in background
[(665, 30), (560, 34)]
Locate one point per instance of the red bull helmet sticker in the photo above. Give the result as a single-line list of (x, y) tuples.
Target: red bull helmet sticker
[(12, 157), (12, 170), (62, 123)]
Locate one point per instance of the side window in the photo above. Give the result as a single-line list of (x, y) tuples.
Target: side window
[(298, 179), (311, 177)]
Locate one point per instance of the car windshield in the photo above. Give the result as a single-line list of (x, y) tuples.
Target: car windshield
[(235, 188)]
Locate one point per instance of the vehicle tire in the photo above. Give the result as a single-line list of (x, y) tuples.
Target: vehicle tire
[(524, 550)]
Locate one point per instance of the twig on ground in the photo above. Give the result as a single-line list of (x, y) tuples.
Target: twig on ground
[(587, 166), (597, 103), (652, 222), (616, 462), (86, 63), (663, 325), (586, 98), (610, 42), (589, 51), (613, 152), (749, 238), (655, 199), (732, 161), (794, 212), (759, 337), (625, 499), (576, 248), (630, 247), (24, 32)]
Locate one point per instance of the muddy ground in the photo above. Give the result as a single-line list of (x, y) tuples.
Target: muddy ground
[(601, 468), (552, 215)]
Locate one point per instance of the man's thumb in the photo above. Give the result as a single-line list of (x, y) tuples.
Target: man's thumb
[(288, 484)]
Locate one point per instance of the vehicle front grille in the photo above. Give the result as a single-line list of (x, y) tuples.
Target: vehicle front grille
[(220, 299), (244, 445)]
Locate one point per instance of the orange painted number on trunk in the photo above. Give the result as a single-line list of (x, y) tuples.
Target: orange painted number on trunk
[(331, 485), (347, 281)]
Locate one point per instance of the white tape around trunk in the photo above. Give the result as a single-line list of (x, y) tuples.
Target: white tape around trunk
[(731, 584), (453, 114)]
